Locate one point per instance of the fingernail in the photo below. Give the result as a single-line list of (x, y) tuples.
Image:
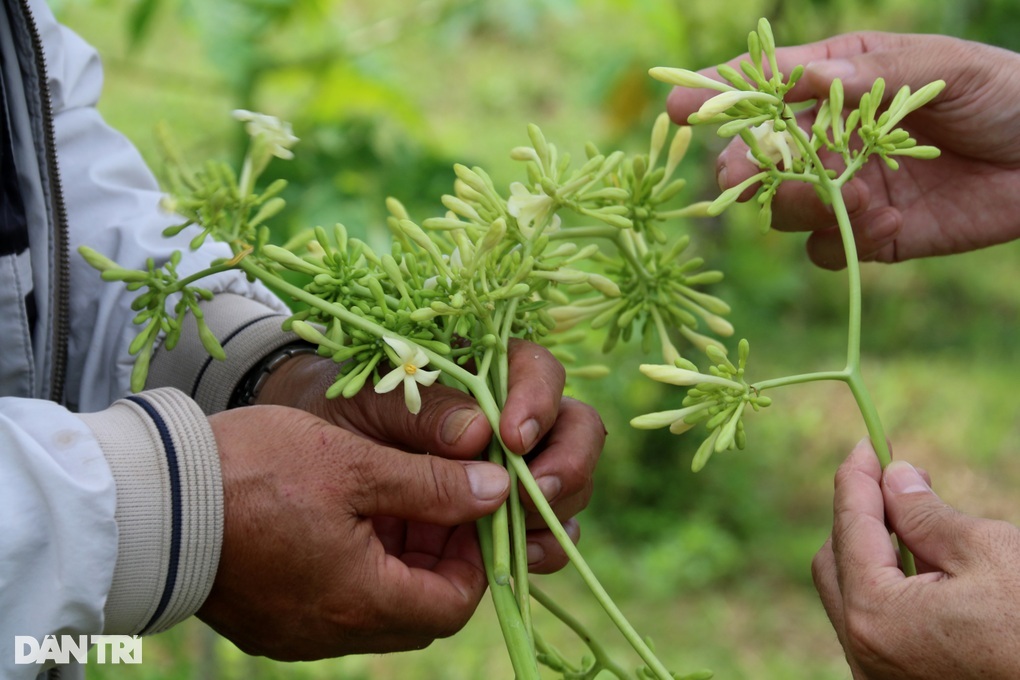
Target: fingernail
[(550, 486), (487, 481), (720, 177), (536, 553), (902, 477), (883, 228), (529, 432), (457, 423), (832, 69), (573, 529)]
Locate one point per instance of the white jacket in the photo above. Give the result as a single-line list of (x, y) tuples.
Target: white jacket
[(110, 505)]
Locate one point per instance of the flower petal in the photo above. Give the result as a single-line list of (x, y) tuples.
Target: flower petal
[(419, 358), (411, 395), (389, 381), (425, 378), (403, 350)]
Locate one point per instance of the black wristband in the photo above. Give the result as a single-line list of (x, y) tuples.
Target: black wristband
[(251, 384)]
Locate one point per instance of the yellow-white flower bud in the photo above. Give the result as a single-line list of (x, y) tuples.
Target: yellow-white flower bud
[(727, 100), (685, 78)]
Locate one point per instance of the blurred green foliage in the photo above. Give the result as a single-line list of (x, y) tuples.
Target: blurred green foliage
[(387, 94)]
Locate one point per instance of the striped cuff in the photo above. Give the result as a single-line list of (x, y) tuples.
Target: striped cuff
[(169, 514), (248, 331)]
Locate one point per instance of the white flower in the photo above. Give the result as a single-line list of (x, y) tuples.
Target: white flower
[(529, 209), (774, 145), (277, 133), (408, 371)]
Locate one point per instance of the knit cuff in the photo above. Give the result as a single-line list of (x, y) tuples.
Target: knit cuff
[(248, 331), (169, 514)]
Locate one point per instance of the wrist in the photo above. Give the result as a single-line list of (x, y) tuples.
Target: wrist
[(250, 388), (299, 381)]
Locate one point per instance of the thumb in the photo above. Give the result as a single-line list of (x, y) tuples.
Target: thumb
[(898, 66), (449, 424), (427, 488), (934, 531)]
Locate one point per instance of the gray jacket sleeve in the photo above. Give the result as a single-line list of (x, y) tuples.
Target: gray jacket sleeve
[(155, 496)]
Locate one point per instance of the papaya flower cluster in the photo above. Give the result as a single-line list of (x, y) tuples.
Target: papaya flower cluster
[(716, 399), (564, 245), (749, 101)]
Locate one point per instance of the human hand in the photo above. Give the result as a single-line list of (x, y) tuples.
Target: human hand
[(334, 544), (966, 199), (567, 434), (956, 618)]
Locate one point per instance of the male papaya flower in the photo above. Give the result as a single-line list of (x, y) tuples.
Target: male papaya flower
[(774, 145), (717, 398), (409, 362), (530, 210), (276, 133)]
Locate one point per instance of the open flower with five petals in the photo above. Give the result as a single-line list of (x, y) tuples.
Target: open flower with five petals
[(408, 361)]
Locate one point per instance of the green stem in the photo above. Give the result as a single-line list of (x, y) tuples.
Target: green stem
[(801, 378), (500, 526), (593, 231), (519, 543), (587, 575), (854, 379), (198, 276), (601, 657), (518, 643)]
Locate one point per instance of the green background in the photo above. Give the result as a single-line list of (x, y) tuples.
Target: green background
[(386, 95)]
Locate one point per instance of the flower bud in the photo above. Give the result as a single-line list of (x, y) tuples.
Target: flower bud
[(682, 77), (660, 130), (604, 285)]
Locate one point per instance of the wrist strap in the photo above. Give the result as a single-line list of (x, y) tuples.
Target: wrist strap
[(248, 389)]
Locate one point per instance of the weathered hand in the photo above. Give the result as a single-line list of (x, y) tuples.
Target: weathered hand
[(956, 618), (567, 434), (966, 199), (334, 544)]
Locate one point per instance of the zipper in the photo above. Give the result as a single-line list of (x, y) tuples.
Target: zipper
[(61, 277)]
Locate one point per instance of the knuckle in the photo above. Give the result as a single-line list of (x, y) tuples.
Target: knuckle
[(439, 482), (819, 565), (863, 641)]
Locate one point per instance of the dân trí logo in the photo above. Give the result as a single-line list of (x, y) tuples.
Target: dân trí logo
[(62, 649)]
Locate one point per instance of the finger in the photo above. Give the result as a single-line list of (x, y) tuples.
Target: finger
[(565, 466), (545, 554), (535, 386), (424, 488), (875, 235), (823, 572), (683, 101), (427, 544), (864, 555), (449, 423), (431, 602), (859, 59), (796, 206), (934, 531)]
